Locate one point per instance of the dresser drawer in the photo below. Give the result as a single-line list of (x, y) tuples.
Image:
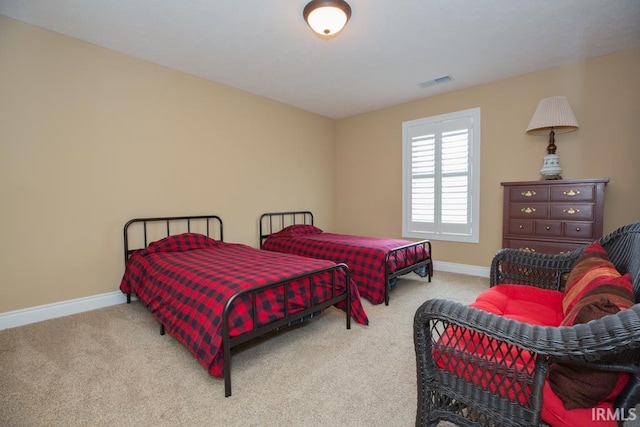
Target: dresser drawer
[(576, 192), (528, 194), (579, 230), (548, 228), (572, 211), (542, 246), (521, 227), (529, 210)]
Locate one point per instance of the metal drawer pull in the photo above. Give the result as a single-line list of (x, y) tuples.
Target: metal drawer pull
[(528, 210), (571, 193), (548, 228), (577, 228), (527, 249), (528, 193), (520, 227), (571, 211)]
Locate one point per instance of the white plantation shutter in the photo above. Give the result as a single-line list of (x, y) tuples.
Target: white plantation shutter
[(441, 180), (423, 179)]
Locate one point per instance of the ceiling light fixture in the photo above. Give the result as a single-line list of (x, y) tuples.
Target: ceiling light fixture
[(327, 17)]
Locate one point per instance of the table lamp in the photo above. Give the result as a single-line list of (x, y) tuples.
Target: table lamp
[(553, 115)]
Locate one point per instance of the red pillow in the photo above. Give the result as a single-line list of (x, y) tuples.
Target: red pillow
[(297, 230), (182, 242)]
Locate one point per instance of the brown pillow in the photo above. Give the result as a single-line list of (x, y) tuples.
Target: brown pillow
[(580, 387)]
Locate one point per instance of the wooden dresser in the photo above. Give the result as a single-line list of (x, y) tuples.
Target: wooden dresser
[(552, 216)]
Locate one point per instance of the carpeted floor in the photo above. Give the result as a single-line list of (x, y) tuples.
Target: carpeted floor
[(111, 367)]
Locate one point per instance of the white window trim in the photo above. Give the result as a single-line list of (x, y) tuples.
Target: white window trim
[(474, 182)]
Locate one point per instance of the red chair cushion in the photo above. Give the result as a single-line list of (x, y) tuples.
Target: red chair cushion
[(527, 304), (524, 303)]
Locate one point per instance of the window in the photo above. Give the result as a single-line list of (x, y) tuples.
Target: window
[(441, 177)]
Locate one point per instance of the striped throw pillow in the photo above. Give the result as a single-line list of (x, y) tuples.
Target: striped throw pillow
[(594, 289), (594, 280)]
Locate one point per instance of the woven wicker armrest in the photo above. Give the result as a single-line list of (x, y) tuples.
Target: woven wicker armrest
[(498, 366), (604, 339), (546, 271)]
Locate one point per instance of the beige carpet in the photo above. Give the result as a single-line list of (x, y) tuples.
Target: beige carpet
[(111, 367)]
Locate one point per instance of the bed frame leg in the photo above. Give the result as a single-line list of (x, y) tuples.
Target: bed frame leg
[(227, 370), (227, 386), (161, 329), (129, 298), (386, 293)]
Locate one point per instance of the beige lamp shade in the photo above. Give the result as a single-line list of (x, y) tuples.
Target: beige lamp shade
[(555, 114)]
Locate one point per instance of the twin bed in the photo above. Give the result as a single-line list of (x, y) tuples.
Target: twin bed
[(212, 295), (375, 263)]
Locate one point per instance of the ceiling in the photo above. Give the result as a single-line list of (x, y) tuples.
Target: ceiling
[(383, 57)]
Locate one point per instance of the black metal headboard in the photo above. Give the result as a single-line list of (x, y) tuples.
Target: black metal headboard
[(139, 232), (272, 222)]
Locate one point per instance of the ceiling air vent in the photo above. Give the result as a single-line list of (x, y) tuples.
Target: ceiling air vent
[(437, 81)]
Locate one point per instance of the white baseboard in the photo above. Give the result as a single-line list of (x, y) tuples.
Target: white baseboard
[(452, 267), (39, 313)]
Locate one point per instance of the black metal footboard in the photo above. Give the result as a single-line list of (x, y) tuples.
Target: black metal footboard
[(413, 262), (337, 295)]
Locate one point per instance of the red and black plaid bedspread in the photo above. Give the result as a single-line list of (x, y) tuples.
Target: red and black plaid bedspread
[(185, 281), (365, 256)]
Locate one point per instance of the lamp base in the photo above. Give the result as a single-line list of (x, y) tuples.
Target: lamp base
[(551, 167), (550, 177)]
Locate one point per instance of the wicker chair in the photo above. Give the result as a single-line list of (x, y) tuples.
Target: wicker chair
[(612, 342)]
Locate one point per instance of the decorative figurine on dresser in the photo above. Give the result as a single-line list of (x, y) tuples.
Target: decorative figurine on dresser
[(552, 216)]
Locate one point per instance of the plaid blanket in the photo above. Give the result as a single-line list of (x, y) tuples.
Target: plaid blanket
[(365, 256), (185, 280)]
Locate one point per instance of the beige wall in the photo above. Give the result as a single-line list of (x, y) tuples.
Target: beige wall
[(90, 138), (605, 95)]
